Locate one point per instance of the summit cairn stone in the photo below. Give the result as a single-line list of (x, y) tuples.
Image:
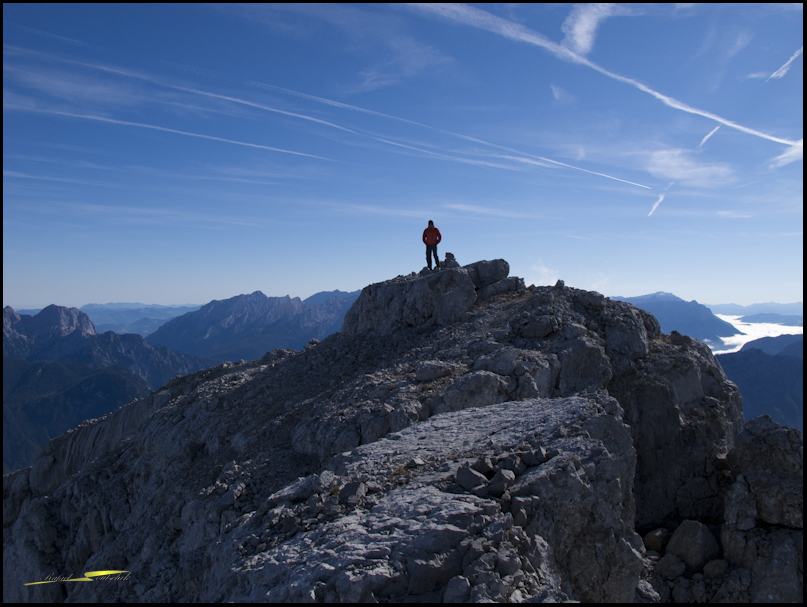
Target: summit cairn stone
[(463, 438)]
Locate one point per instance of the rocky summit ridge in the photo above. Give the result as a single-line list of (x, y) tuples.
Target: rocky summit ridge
[(463, 438)]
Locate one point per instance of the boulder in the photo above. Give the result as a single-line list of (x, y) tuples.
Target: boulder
[(484, 273), (694, 544), (476, 389)]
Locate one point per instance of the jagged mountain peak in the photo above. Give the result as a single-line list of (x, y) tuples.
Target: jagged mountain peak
[(657, 296), (54, 320), (463, 438), (246, 326)]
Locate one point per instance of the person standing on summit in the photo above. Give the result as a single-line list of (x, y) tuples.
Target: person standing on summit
[(431, 237)]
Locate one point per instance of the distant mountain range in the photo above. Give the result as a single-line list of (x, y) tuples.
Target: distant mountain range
[(142, 320), (686, 317), (777, 319), (58, 371), (770, 374), (67, 334), (247, 326), (128, 317), (793, 309), (781, 344)]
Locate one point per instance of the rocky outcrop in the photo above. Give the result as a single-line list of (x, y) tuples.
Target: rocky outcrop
[(431, 299), (759, 556), (764, 517), (552, 498), (507, 452), (43, 400)]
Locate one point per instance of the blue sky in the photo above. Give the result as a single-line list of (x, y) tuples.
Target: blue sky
[(177, 154)]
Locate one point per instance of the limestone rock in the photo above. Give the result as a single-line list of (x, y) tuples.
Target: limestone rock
[(770, 458), (468, 478), (694, 544), (429, 370), (484, 273), (477, 389), (764, 527), (439, 298), (445, 446)]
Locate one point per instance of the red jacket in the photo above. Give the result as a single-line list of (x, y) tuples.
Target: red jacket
[(431, 236)]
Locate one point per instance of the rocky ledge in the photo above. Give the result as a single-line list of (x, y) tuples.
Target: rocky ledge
[(464, 438)]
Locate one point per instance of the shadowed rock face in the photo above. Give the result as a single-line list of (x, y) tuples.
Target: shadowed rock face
[(453, 443)]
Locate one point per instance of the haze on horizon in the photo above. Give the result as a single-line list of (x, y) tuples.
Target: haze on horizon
[(183, 153)]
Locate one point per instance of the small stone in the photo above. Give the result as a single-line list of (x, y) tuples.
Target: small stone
[(715, 568), (468, 478), (352, 493), (670, 567), (656, 540), (501, 482)]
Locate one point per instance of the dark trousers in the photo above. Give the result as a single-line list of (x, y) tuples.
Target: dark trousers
[(431, 249)]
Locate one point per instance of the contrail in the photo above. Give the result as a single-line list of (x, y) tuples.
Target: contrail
[(569, 166), (705, 139), (483, 20), (262, 107), (167, 130), (655, 206), (784, 69), (159, 82), (439, 130)]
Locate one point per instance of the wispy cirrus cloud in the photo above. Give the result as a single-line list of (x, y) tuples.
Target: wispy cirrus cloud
[(786, 67), (409, 59), (742, 40), (478, 18), (678, 165), (38, 32), (488, 211), (145, 215), (541, 274), (397, 55), (580, 27), (755, 76), (518, 156), (561, 95)]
